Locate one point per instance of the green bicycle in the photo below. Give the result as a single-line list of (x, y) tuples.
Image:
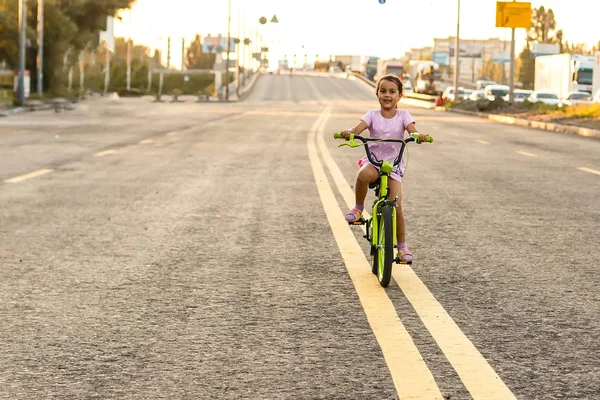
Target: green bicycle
[(381, 225)]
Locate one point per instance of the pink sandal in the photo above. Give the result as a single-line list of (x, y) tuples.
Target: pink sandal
[(353, 215), (405, 255)]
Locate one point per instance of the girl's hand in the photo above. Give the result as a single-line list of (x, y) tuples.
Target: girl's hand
[(346, 133), (422, 138)]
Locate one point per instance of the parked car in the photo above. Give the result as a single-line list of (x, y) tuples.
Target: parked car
[(494, 91), (449, 93), (574, 98), (407, 87), (482, 83), (477, 95), (519, 95), (467, 93), (544, 97)]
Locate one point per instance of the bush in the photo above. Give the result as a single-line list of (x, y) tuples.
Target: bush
[(130, 93)]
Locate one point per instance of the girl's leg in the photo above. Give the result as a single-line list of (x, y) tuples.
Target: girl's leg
[(366, 175)]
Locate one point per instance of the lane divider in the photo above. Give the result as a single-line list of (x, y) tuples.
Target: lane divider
[(412, 379), (524, 153), (591, 171), (31, 175), (477, 375), (104, 153)]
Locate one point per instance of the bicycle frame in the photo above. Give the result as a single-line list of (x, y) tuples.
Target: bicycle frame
[(384, 171)]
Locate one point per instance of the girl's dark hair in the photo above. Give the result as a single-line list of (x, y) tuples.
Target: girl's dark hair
[(391, 78)]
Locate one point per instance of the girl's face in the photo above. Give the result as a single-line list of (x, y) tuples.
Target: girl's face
[(388, 95)]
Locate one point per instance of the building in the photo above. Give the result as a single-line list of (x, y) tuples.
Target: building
[(478, 58)]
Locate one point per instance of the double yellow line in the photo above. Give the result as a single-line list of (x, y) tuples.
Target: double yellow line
[(412, 378)]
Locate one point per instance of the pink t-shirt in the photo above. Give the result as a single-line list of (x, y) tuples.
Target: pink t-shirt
[(384, 128)]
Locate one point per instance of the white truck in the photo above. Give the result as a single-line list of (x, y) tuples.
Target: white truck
[(596, 75), (564, 73), (425, 76), (389, 67), (350, 62)]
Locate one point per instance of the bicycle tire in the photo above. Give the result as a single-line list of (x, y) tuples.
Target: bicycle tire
[(384, 254)]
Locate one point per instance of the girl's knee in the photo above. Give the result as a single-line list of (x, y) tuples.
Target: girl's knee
[(368, 175)]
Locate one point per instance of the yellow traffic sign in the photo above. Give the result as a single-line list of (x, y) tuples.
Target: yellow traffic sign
[(513, 14)]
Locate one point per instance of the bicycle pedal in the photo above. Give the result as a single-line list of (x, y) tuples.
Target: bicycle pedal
[(359, 222), (397, 260)]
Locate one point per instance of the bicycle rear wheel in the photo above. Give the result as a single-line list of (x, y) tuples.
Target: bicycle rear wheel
[(383, 256)]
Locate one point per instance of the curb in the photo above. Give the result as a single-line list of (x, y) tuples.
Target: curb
[(548, 126)]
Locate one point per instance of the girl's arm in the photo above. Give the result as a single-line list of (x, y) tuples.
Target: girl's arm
[(411, 128), (357, 130)]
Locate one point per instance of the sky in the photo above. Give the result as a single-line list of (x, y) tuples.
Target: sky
[(329, 27)]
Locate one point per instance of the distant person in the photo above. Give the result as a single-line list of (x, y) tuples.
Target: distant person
[(387, 122), (291, 71)]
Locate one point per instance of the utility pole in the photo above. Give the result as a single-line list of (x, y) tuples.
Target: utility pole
[(228, 49), (168, 52), (456, 54), (129, 55), (40, 52), (182, 54), (511, 78), (21, 79)]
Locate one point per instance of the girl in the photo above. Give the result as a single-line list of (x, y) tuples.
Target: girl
[(387, 122)]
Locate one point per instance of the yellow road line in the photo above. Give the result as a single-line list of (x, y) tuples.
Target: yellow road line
[(591, 171), (104, 153), (482, 142), (524, 153), (28, 176), (476, 374), (146, 141), (410, 374)]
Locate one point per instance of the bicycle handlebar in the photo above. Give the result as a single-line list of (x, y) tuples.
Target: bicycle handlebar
[(414, 138)]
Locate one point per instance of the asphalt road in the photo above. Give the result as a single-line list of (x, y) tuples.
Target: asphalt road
[(198, 251)]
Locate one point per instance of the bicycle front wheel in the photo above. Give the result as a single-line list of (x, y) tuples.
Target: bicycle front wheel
[(384, 248)]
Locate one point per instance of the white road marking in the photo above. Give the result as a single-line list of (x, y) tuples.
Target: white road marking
[(591, 171), (482, 142), (478, 376), (104, 153), (412, 378), (146, 141), (29, 176), (524, 153)]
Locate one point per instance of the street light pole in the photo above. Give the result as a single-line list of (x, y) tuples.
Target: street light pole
[(22, 23), (40, 52), (456, 53), (511, 79), (228, 49)]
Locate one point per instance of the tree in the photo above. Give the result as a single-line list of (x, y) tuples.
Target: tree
[(196, 59), (525, 68), (543, 28)]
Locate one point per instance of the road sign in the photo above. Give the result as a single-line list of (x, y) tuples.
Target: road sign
[(513, 14)]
